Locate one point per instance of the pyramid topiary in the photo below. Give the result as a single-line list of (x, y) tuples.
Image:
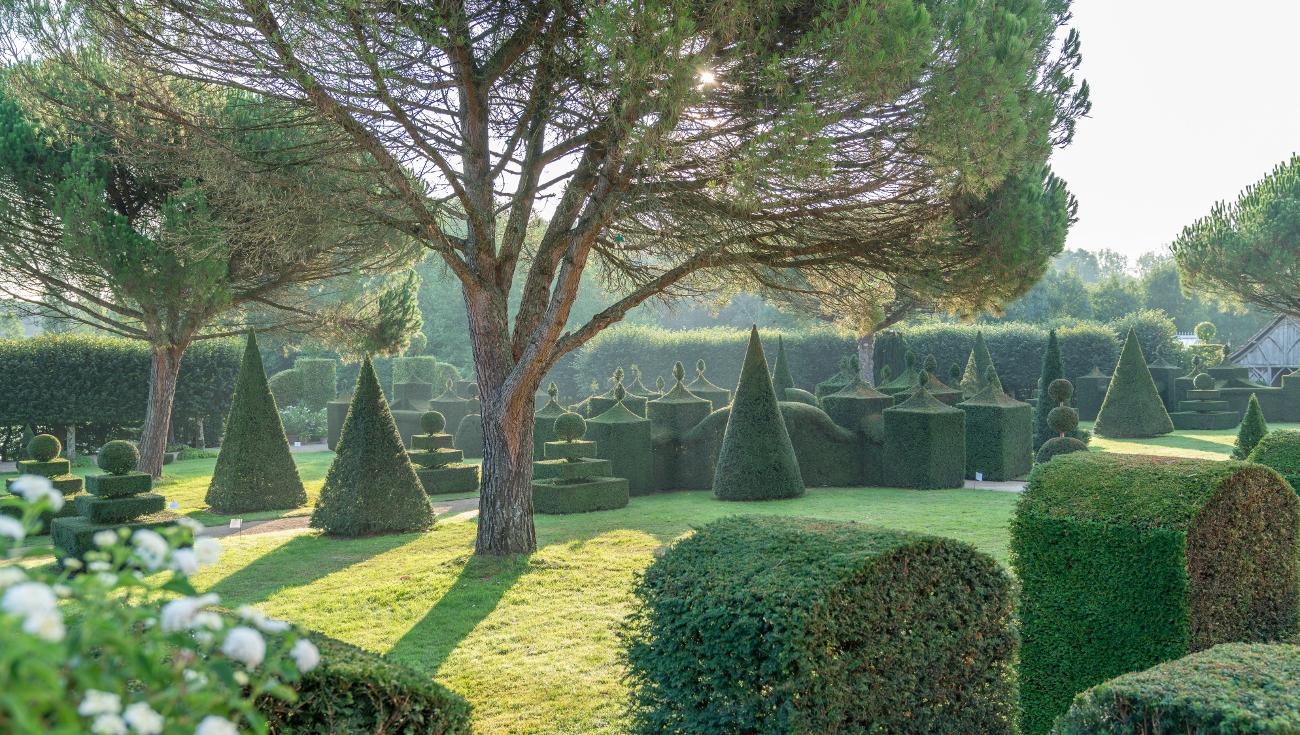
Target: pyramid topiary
[(781, 377), (255, 470), (1253, 428), (1132, 407), (977, 366), (757, 460), (371, 486)]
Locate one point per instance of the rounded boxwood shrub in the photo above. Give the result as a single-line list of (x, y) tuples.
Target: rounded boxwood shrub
[(44, 447), (1232, 689), (118, 457), (760, 624), (570, 426), (433, 422), (1280, 450), (1126, 561), (1057, 446), (1205, 331)]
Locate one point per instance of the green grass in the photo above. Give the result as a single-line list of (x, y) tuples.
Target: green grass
[(1194, 444), (533, 641)]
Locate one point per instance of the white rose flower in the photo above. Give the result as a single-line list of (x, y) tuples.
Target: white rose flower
[(46, 625), (108, 725), (105, 539), (190, 523), (213, 725), (12, 527), (245, 645), (141, 717), (207, 619), (208, 551), (241, 678), (179, 614), (11, 575), (305, 654), (96, 702), (185, 562), (151, 547), (27, 598), (35, 487)]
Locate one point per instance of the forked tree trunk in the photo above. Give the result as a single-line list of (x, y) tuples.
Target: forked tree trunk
[(163, 372)]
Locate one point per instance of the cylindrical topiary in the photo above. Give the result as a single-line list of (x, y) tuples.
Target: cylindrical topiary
[(1057, 446), (570, 426), (433, 422), (118, 457), (44, 447)]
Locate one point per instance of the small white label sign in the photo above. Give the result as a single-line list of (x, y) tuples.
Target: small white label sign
[(979, 477), (236, 522)]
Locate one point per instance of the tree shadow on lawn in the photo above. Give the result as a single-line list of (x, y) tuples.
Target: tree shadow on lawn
[(298, 563), (482, 582), (1174, 441)]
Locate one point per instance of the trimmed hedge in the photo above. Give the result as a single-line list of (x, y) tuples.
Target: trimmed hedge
[(286, 386), (1132, 407), (623, 438), (319, 380), (759, 624), (1280, 450), (255, 470), (1126, 561), (1232, 689), (925, 443), (999, 435), (355, 691)]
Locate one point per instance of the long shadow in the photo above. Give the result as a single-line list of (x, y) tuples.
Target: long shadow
[(296, 563), (482, 582), (1181, 442)]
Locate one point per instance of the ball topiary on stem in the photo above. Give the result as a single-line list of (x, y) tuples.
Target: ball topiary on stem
[(1059, 445), (118, 457), (1060, 391), (1063, 420), (433, 422), (1203, 381), (570, 426), (44, 447)]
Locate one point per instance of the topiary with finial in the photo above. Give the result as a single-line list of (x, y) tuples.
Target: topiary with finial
[(954, 373), (44, 447), (433, 422), (659, 384)]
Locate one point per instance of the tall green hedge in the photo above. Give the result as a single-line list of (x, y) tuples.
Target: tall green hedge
[(760, 624), (1232, 689), (255, 470), (1126, 561), (1132, 406), (319, 380)]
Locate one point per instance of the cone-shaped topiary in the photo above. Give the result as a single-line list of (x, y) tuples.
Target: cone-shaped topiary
[(781, 377), (371, 486), (977, 366), (1132, 407), (255, 470), (118, 457), (757, 460), (1253, 428)]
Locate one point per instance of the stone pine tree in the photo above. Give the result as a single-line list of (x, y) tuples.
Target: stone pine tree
[(1253, 428), (1052, 370), (255, 470), (781, 377), (371, 486), (757, 460), (1132, 406)]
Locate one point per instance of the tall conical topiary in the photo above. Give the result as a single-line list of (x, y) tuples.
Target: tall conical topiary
[(255, 470), (1132, 406), (371, 486), (757, 460), (977, 366), (1253, 428), (781, 377), (1051, 370)]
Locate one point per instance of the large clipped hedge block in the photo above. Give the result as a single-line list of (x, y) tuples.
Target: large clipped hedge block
[(432, 441), (925, 443), (119, 510), (65, 484), (1126, 561), (554, 496), (999, 435), (459, 478), (623, 437), (469, 436), (117, 486), (1232, 689), (44, 468), (777, 625), (75, 535)]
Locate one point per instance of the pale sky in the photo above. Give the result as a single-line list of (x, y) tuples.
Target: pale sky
[(1192, 101)]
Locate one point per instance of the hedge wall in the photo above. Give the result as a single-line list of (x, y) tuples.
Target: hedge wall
[(319, 380), (795, 625), (1126, 561), (1233, 689), (1280, 450)]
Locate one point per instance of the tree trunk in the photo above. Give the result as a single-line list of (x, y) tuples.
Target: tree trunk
[(867, 357), (70, 443), (163, 371), (505, 519)]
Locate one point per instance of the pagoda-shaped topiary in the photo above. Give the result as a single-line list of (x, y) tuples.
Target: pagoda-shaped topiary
[(888, 352), (757, 460), (904, 382), (544, 420), (1132, 407), (854, 405), (469, 436), (836, 382), (571, 479), (936, 387), (1090, 391), (623, 438), (977, 366), (925, 443), (437, 464), (999, 432), (1253, 428), (637, 388), (371, 486), (597, 405), (119, 499), (42, 458), (255, 470), (701, 387)]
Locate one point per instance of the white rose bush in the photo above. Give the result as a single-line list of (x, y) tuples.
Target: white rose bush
[(120, 643)]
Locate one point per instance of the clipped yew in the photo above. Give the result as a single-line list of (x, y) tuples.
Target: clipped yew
[(1132, 407), (1253, 428)]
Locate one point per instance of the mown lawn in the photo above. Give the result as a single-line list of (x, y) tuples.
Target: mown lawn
[(1197, 444)]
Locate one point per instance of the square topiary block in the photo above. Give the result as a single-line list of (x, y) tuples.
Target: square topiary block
[(432, 441), (999, 436), (435, 457), (69, 509), (74, 536), (118, 486), (1201, 395), (553, 496), (1204, 421), (460, 478), (570, 450), (119, 510), (52, 468), (65, 484), (1203, 405), (1126, 561), (925, 443)]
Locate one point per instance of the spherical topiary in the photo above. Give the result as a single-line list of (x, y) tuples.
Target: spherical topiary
[(1063, 419), (1205, 331), (433, 422), (118, 457), (1059, 445), (1060, 390), (44, 447), (1203, 381), (570, 426)]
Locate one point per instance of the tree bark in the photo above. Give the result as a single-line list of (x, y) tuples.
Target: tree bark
[(867, 357), (505, 522), (163, 372)]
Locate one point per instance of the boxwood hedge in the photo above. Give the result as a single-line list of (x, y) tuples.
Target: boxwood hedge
[(796, 625), (1126, 561), (1280, 450), (1232, 689), (925, 443)]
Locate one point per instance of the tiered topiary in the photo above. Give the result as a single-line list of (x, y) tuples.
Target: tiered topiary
[(119, 499), (1280, 450), (701, 387), (1051, 370), (1062, 420), (1126, 561), (1253, 428), (544, 420), (757, 460), (571, 479), (978, 364), (42, 458), (1204, 407), (469, 436), (596, 405), (255, 470), (925, 443), (371, 486), (453, 406), (1232, 689), (1090, 391), (438, 465), (623, 438), (1132, 407), (776, 625), (999, 433)]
